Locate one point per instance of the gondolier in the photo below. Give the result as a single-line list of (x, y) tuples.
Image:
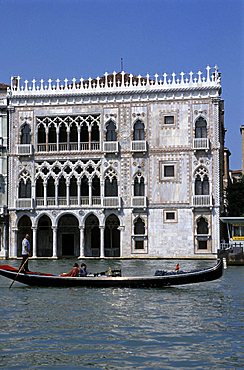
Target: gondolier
[(25, 253)]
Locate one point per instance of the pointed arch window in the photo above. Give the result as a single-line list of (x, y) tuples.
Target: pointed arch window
[(95, 132), (73, 133), (201, 185), (50, 187), (200, 128), (202, 226), (73, 187), (52, 136), (84, 190), (202, 232), (111, 187), (62, 187), (84, 133), (39, 188), (139, 185), (139, 131), (25, 137), (96, 186), (41, 135), (139, 227), (111, 134), (25, 188)]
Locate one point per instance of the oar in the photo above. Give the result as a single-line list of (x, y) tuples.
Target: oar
[(21, 267)]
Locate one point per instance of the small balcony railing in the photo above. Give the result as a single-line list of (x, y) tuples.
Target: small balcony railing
[(202, 201), (201, 144), (24, 203), (24, 149), (139, 146), (111, 202), (85, 201), (111, 147), (71, 147), (139, 202)]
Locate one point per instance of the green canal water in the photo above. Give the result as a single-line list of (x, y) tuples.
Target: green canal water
[(197, 326)]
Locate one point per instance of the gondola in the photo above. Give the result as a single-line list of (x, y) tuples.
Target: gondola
[(101, 280)]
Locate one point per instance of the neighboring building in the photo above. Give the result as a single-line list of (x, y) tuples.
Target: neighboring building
[(118, 166), (3, 171)]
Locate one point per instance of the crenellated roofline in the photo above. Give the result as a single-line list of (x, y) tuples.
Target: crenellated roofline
[(121, 82)]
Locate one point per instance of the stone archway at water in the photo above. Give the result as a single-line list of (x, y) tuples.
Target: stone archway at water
[(24, 227), (44, 237), (68, 236), (92, 237), (112, 237)]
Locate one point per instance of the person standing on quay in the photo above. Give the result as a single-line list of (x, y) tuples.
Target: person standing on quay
[(25, 253)]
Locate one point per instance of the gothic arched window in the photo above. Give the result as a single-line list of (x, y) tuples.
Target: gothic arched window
[(200, 128), (52, 136), (25, 188), (139, 186), (50, 187), (202, 226), (111, 187), (201, 182), (95, 132), (201, 185), (139, 227), (41, 135), (139, 131), (39, 187), (25, 134), (62, 187), (111, 133)]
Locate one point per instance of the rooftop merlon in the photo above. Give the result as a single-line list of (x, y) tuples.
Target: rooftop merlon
[(118, 82)]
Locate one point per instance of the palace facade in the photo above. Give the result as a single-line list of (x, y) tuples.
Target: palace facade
[(117, 166)]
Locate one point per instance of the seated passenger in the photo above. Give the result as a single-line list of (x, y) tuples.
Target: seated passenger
[(73, 272), (177, 267), (83, 270)]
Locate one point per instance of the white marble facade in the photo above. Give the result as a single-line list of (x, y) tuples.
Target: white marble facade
[(118, 166)]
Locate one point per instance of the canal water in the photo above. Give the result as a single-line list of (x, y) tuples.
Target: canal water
[(197, 326)]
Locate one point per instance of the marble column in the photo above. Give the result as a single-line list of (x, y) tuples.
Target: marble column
[(82, 246), (34, 242), (55, 231), (102, 228)]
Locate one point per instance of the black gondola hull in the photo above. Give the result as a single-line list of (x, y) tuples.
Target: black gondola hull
[(49, 280)]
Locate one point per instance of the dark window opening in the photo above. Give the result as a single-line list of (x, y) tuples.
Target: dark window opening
[(111, 188), (139, 244), (139, 132), (201, 128), (25, 189), (169, 171), (25, 134), (111, 133), (139, 227), (170, 215), (169, 120), (50, 187), (201, 186), (139, 187)]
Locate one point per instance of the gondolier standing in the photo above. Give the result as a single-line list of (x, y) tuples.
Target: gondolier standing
[(25, 253)]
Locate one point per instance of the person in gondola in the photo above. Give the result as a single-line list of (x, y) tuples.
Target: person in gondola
[(73, 272), (83, 270), (25, 253), (177, 267)]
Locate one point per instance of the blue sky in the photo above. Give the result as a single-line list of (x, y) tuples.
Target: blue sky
[(86, 38)]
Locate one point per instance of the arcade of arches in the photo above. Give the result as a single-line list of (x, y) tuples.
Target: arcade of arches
[(68, 238)]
